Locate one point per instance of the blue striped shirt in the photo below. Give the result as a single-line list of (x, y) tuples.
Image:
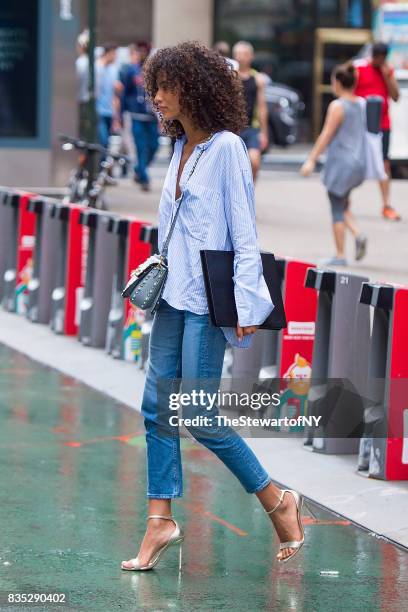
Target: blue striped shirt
[(217, 212)]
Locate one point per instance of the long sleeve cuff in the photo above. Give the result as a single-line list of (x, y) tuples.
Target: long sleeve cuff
[(252, 297)]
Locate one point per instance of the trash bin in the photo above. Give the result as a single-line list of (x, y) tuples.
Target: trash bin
[(126, 324), (384, 447), (71, 255), (20, 253), (339, 361), (47, 245), (100, 266)]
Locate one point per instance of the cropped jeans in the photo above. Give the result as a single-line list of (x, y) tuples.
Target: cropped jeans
[(188, 347)]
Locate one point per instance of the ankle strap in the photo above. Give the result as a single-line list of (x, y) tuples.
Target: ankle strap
[(159, 516), (278, 504)]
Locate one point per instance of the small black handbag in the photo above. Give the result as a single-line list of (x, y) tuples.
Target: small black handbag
[(146, 283)]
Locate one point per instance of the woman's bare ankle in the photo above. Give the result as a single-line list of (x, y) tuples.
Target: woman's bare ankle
[(159, 525)]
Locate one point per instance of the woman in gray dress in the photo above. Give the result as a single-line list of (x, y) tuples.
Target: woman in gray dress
[(343, 134)]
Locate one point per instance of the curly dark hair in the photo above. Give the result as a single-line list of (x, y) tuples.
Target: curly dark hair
[(211, 93)]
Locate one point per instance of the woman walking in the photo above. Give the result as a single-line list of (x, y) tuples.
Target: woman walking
[(344, 135), (201, 104)]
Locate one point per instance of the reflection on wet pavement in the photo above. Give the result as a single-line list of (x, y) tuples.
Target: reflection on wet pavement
[(73, 505)]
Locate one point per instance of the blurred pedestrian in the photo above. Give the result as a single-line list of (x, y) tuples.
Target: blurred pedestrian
[(124, 88), (343, 133), (106, 75), (209, 181), (255, 135), (144, 121), (123, 101), (223, 48), (375, 77), (82, 76)]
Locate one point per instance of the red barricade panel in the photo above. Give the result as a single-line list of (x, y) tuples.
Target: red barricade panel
[(77, 249), (25, 249), (137, 252), (301, 310), (397, 442)]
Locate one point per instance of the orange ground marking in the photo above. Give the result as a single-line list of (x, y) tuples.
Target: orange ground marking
[(200, 510), (123, 438)]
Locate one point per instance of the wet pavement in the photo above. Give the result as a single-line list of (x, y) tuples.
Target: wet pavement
[(72, 491)]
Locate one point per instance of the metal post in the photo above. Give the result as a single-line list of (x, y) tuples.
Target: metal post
[(92, 119), (91, 52)]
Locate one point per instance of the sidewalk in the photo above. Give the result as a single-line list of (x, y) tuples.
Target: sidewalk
[(293, 219), (332, 481)]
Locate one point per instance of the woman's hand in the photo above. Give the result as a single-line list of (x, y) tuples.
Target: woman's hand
[(245, 331), (263, 141), (308, 167)]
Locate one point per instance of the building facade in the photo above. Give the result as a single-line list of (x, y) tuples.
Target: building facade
[(281, 31), (283, 34)]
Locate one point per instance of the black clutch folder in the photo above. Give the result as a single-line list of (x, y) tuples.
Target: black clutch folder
[(218, 270)]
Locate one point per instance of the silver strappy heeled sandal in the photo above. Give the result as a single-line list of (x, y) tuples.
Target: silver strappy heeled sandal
[(296, 545), (176, 538)]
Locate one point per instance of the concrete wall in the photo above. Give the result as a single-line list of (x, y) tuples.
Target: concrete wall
[(25, 167), (38, 164), (163, 21), (166, 22), (64, 109), (178, 20), (121, 22)]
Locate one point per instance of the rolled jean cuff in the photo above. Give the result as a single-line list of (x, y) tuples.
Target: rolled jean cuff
[(261, 486), (164, 495)]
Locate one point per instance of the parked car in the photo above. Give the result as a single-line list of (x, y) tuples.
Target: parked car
[(285, 107)]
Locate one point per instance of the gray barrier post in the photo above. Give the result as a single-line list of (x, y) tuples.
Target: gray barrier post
[(384, 447), (100, 266), (46, 251), (11, 202), (149, 235), (60, 213), (114, 333), (6, 225), (261, 358), (129, 328), (340, 354)]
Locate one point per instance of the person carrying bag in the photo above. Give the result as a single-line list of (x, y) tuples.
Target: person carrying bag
[(206, 205), (344, 135)]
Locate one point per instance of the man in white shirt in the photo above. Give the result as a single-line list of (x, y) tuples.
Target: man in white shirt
[(82, 78)]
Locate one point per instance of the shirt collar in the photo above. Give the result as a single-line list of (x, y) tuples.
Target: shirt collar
[(201, 145)]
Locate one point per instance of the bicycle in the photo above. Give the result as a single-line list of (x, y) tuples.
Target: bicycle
[(83, 186)]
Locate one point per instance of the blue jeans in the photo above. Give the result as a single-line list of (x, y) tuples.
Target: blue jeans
[(187, 346), (146, 137), (104, 129)]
